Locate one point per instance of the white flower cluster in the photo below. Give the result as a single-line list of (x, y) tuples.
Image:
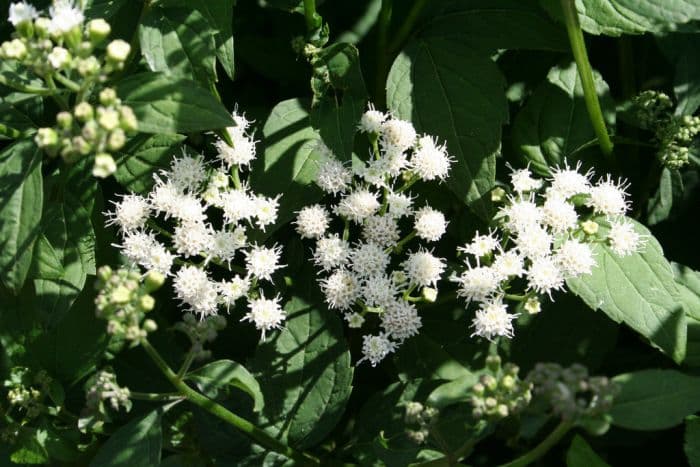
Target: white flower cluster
[(364, 267), (544, 232), (191, 197)]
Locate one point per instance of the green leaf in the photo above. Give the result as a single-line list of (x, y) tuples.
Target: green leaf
[(453, 392), (305, 374), (166, 104), (692, 440), (290, 162), (688, 282), (221, 373), (655, 399), (220, 15), (68, 229), (21, 200), (142, 157), (554, 124), (639, 290), (680, 51), (490, 25), (136, 444), (616, 17), (580, 454), (423, 356), (448, 90), (178, 41), (670, 190)]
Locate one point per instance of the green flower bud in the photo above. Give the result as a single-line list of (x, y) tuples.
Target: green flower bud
[(128, 119), (117, 51), (478, 389), (41, 26), (590, 227), (508, 382), (490, 402), (153, 281), (149, 325), (489, 382), (498, 194), (107, 118), (104, 273), (108, 96), (146, 303), (493, 363), (81, 146), (532, 305), (46, 137), (98, 30), (14, 49), (64, 120), (502, 410), (120, 295), (88, 66), (59, 58), (83, 112), (90, 131), (116, 140), (104, 166), (429, 294)]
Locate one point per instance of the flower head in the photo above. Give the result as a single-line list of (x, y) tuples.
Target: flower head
[(567, 182), (430, 161), (429, 224), (376, 348), (400, 320), (371, 121), (333, 177), (262, 262), (64, 17), (194, 288), (624, 239), (609, 197), (265, 314), (312, 221), (342, 288), (423, 269), (331, 252), (21, 12), (130, 213), (493, 320)]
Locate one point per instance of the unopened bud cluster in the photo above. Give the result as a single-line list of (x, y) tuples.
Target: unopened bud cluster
[(419, 419), (369, 265), (62, 51), (196, 222), (201, 332), (674, 134), (88, 129), (500, 392), (26, 391), (571, 393), (542, 237), (102, 392), (124, 299), (61, 43)]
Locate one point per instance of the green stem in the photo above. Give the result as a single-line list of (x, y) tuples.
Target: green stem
[(578, 47), (407, 26), (154, 396), (243, 425), (55, 93), (541, 449), (313, 19), (382, 53), (514, 297), (236, 177), (69, 83), (399, 246), (24, 87), (189, 358), (9, 132)]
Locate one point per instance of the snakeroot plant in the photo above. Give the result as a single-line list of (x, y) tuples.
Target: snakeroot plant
[(367, 233), (368, 266)]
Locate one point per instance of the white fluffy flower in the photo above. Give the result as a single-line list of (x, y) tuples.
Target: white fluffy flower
[(545, 276), (508, 264), (342, 288), (331, 252), (523, 182), (534, 242), (624, 239), (567, 182), (382, 230), (194, 288), (429, 224), (21, 12), (521, 213), (312, 221), (64, 17), (477, 284), (423, 269), (265, 314), (378, 290), (430, 160), (371, 121), (376, 348), (192, 238), (262, 262), (401, 320), (224, 244), (481, 245), (130, 213), (187, 173), (575, 258), (400, 204), (265, 210), (493, 320), (374, 172), (137, 246), (609, 197), (559, 214), (165, 197), (58, 58), (232, 290), (241, 154), (188, 209), (237, 205), (368, 259), (333, 177), (159, 259), (397, 135), (358, 205)]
